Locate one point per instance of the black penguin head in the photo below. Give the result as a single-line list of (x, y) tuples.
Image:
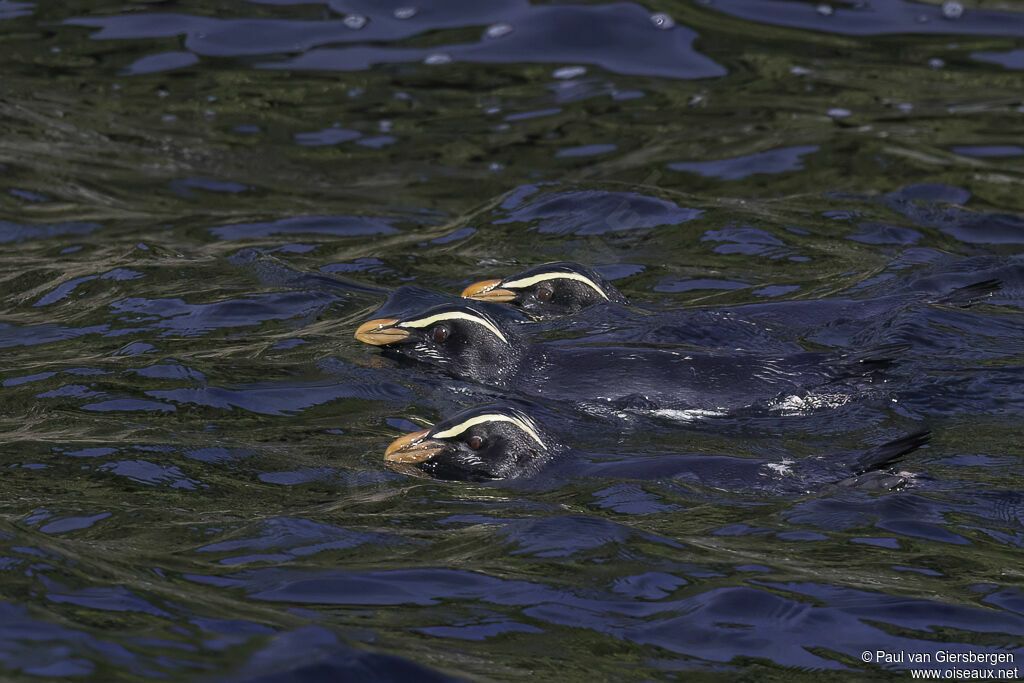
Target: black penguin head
[(549, 290), (463, 340), (491, 442)]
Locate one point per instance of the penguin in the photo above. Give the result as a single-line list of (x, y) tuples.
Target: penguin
[(499, 442), (552, 289), (468, 344), (479, 444), (564, 288)]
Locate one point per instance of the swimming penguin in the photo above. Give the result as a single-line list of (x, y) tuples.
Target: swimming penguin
[(468, 344), (557, 289), (491, 442), (551, 289), (500, 442)]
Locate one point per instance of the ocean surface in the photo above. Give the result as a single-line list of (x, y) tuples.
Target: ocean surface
[(200, 201)]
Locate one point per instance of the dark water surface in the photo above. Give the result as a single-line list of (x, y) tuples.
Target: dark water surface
[(200, 201)]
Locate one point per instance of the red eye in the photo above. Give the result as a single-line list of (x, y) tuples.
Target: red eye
[(544, 293), (475, 442), (439, 334)]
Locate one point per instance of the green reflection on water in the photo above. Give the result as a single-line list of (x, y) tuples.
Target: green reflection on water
[(101, 147)]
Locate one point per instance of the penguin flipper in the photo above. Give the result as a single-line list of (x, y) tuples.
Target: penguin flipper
[(888, 453), (968, 295), (866, 362)]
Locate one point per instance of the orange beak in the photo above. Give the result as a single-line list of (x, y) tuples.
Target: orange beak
[(380, 332), (488, 290), (413, 448)]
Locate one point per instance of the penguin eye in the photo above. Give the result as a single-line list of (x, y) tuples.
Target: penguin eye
[(544, 293), (439, 334), (475, 442)]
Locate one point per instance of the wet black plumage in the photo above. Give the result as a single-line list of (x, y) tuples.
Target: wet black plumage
[(483, 443), (499, 442), (564, 288), (549, 290), (468, 344)]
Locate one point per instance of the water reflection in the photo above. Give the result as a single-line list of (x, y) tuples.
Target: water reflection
[(617, 37), (198, 206)]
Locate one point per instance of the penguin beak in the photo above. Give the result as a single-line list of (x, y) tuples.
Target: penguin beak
[(413, 448), (381, 331), (488, 290)]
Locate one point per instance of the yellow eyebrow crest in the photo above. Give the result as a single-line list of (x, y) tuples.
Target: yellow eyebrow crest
[(455, 315), (534, 279), (490, 417)]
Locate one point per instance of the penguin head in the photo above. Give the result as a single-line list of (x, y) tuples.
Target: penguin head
[(552, 289), (480, 444), (462, 340)]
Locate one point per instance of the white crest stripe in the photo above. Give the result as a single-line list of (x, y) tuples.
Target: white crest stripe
[(455, 315), (534, 279), (491, 417)]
